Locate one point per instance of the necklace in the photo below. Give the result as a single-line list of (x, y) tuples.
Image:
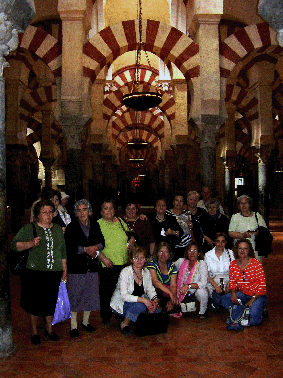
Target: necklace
[(133, 223), (160, 219), (140, 278)]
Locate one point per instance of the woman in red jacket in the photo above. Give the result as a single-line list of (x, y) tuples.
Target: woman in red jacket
[(247, 282)]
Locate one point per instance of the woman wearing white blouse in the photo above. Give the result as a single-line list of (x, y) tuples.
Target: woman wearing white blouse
[(218, 261)]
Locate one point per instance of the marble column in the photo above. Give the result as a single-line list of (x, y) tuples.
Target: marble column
[(8, 42), (72, 118), (230, 160), (46, 154), (261, 81)]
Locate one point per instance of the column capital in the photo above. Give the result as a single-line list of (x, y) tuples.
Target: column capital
[(8, 40), (72, 126)]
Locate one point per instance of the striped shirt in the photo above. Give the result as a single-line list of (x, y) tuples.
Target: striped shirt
[(182, 219), (249, 281)]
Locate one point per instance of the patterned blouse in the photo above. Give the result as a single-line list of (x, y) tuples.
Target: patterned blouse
[(249, 281), (164, 278)]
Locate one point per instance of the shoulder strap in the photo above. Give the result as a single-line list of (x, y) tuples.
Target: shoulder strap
[(256, 219), (34, 230), (121, 224)]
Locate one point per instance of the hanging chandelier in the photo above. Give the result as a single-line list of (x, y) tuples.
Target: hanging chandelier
[(136, 99), (137, 143)]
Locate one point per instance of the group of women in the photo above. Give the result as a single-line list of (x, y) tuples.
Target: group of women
[(106, 268)]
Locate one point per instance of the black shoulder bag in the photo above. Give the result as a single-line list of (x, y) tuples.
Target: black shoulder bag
[(18, 260), (263, 240)]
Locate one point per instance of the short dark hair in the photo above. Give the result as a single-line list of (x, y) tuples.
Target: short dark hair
[(221, 233), (51, 193), (158, 248), (108, 200), (200, 253), (39, 205), (251, 249)]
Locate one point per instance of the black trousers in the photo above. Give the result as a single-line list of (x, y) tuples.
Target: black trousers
[(107, 285)]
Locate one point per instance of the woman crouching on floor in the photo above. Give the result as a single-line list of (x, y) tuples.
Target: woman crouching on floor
[(134, 293)]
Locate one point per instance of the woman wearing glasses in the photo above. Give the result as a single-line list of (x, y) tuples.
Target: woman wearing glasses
[(247, 282), (134, 293)]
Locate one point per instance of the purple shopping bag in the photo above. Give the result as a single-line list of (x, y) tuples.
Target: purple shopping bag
[(62, 309)]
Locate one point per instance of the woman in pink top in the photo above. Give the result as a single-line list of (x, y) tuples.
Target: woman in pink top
[(247, 282)]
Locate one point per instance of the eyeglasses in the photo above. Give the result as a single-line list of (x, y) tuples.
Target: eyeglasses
[(81, 210), (192, 251), (139, 258)]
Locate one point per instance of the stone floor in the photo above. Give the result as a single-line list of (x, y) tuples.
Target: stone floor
[(191, 348)]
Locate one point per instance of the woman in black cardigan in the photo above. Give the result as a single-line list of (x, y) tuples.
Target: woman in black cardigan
[(84, 242)]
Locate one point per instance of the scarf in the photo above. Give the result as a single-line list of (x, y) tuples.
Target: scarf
[(181, 275)]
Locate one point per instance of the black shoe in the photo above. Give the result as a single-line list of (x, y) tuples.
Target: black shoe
[(35, 339), (88, 327), (74, 333), (203, 316), (51, 336), (126, 330)]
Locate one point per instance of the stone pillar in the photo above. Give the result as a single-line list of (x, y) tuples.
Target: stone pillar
[(205, 23), (230, 159), (46, 155), (261, 80), (72, 118), (207, 133), (8, 42)]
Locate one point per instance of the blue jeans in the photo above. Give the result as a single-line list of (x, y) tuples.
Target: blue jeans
[(216, 299), (131, 310), (256, 309)]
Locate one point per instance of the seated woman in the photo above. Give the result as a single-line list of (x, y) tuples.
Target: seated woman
[(164, 276), (134, 293), (218, 261), (247, 282), (192, 277)]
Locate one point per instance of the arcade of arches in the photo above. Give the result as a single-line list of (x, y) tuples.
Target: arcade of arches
[(218, 65)]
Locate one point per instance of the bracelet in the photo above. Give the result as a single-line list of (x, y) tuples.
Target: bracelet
[(189, 287), (254, 296)]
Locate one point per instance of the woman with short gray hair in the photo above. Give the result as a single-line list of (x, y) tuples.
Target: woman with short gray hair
[(84, 242)]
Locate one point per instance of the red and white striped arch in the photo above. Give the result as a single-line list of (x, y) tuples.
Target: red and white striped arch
[(169, 43), (114, 101), (33, 100), (253, 40), (152, 122), (45, 46), (125, 75), (129, 134)]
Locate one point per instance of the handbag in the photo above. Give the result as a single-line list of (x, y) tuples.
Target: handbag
[(17, 261), (63, 309), (151, 324), (188, 304), (239, 316), (130, 234), (263, 240)]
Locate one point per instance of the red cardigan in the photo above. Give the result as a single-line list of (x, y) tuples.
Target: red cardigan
[(249, 281)]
